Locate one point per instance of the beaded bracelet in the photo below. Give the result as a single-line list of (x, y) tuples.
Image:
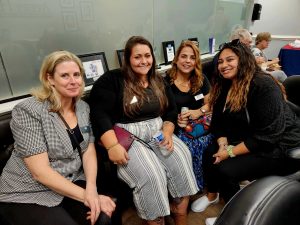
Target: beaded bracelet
[(229, 151)]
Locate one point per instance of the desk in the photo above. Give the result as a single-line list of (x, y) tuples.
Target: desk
[(290, 60)]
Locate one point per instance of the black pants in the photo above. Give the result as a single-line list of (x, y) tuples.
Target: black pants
[(225, 176), (69, 212)]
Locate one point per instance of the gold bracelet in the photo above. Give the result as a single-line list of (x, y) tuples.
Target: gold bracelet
[(113, 145), (229, 151)]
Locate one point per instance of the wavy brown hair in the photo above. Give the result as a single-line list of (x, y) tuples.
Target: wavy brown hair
[(196, 77), (263, 36), (132, 85), (247, 69)]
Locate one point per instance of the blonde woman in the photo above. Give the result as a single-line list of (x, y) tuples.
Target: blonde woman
[(49, 179)]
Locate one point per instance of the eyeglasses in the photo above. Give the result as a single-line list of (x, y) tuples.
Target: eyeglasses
[(235, 42)]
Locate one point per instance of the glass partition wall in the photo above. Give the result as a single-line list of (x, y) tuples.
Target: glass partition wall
[(31, 29)]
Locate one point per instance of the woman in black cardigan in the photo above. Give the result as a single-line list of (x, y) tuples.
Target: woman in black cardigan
[(253, 125)]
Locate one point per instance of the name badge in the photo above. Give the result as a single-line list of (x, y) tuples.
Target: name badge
[(85, 129), (198, 97)]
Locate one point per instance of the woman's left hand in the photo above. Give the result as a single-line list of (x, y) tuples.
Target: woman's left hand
[(193, 114), (168, 141), (107, 205), (91, 200)]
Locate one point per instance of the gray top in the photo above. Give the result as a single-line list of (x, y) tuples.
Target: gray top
[(36, 130), (259, 53)]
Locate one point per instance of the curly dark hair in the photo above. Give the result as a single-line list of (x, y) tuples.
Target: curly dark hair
[(247, 70)]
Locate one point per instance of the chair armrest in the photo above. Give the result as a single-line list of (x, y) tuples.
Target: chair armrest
[(294, 153)]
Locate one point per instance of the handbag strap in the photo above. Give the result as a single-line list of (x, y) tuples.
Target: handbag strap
[(139, 140), (73, 136), (142, 142)]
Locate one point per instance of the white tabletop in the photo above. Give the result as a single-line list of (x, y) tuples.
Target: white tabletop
[(8, 106)]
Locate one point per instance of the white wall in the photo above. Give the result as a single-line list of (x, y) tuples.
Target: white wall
[(279, 18)]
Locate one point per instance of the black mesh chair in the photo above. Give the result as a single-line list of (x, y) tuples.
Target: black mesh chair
[(292, 88)]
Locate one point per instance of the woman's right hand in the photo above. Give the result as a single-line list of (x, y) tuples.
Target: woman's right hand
[(183, 119), (118, 155), (275, 60), (219, 154), (107, 205)]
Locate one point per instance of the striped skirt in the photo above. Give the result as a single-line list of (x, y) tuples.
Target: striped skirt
[(153, 176)]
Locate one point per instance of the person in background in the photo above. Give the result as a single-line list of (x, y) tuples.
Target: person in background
[(252, 123), (48, 178), (191, 89), (243, 35), (262, 41), (137, 99)]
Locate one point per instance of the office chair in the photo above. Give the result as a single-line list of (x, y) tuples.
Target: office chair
[(292, 87), (271, 200)]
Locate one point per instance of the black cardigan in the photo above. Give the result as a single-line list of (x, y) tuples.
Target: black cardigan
[(106, 103), (272, 127)]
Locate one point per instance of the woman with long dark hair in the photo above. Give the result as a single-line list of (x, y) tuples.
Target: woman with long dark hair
[(137, 99), (252, 123)]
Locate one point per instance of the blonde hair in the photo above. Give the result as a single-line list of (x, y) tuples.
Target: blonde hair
[(46, 91), (196, 78)]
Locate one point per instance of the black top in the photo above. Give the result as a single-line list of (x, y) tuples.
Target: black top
[(78, 135), (149, 109), (106, 103), (188, 99), (271, 128)]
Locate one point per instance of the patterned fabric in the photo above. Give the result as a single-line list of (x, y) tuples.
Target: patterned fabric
[(36, 130), (259, 53), (196, 146), (151, 175)]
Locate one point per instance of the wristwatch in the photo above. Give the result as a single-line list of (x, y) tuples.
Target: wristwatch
[(203, 110)]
